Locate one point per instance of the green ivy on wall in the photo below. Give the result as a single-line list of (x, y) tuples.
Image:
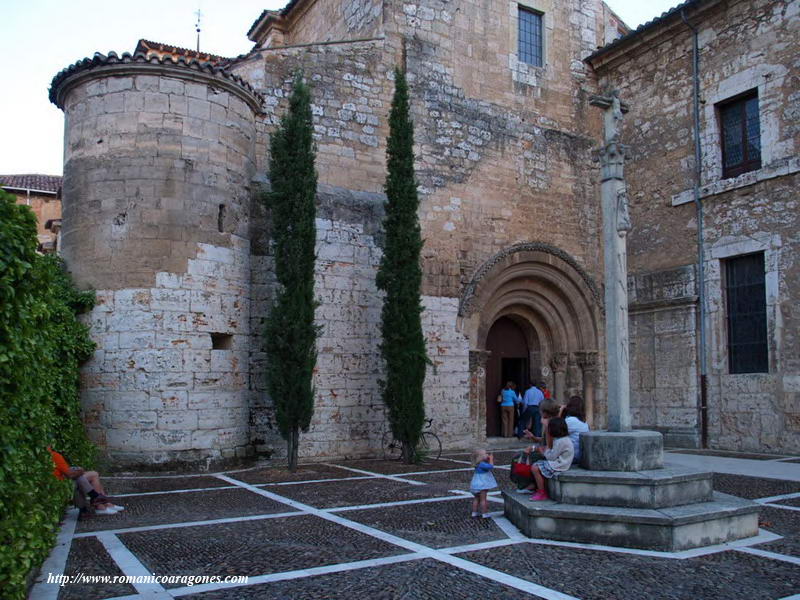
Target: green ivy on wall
[(41, 347)]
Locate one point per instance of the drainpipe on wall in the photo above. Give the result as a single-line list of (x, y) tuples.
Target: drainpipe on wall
[(698, 203)]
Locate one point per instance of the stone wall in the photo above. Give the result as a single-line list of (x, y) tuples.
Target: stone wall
[(318, 21), (759, 411), (501, 160), (663, 349), (743, 46), (349, 415)]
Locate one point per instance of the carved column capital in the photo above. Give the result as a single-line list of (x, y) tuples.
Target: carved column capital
[(587, 361), (558, 362)]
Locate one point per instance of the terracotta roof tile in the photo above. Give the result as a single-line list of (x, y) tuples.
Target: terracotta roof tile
[(42, 183), (219, 70), (145, 46)]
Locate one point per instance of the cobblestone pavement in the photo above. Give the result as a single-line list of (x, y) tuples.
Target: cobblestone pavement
[(373, 529)]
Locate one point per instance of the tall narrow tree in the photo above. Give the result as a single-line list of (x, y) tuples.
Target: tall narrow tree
[(400, 276), (290, 331)]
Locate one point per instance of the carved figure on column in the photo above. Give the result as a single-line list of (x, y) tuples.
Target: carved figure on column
[(623, 214)]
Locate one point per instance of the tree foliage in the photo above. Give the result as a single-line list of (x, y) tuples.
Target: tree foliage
[(290, 332), (41, 347), (400, 276)]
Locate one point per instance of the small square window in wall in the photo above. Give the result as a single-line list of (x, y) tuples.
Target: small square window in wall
[(741, 135), (746, 303), (221, 341), (531, 47)]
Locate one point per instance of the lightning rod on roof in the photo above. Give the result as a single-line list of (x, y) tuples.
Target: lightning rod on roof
[(197, 28)]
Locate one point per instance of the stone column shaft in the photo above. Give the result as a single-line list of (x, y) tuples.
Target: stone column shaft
[(559, 365), (477, 390)]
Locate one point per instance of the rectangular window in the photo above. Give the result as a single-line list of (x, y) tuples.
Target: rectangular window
[(741, 135), (530, 37), (747, 314)]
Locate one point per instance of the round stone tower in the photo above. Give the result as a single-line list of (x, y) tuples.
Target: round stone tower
[(158, 159)]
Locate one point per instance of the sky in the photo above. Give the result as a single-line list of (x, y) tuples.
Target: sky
[(39, 38)]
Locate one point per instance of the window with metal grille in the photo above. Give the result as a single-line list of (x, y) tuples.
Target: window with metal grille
[(747, 314), (530, 37), (741, 135)]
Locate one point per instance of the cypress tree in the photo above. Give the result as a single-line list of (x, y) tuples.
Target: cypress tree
[(400, 276), (290, 331)]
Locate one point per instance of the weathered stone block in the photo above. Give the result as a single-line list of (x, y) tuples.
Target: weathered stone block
[(621, 451)]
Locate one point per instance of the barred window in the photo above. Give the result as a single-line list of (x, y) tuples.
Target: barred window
[(741, 135), (530, 37), (747, 314)]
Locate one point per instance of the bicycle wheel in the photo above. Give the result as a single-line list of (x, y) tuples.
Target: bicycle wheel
[(430, 445), (392, 449)]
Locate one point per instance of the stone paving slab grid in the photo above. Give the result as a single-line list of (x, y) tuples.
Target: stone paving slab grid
[(594, 575), (253, 547), (159, 484), (433, 524), (334, 494), (417, 580), (89, 557), (166, 508)]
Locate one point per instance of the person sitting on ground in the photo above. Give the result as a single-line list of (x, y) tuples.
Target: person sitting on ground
[(557, 457), (482, 482), (576, 423), (88, 483)]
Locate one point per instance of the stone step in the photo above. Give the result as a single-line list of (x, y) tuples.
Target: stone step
[(723, 519), (674, 485)]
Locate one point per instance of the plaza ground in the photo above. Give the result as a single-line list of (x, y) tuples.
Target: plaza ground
[(375, 529)]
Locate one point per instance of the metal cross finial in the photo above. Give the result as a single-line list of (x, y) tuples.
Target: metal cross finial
[(197, 28)]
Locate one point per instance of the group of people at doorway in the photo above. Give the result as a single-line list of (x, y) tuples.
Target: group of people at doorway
[(524, 406), (551, 453)]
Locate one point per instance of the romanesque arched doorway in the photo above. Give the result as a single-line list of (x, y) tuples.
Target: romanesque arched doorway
[(543, 299), (509, 345)]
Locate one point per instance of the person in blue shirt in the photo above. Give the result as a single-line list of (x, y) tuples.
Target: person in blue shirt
[(530, 412), (507, 400)]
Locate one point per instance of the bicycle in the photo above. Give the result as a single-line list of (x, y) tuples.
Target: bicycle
[(429, 445)]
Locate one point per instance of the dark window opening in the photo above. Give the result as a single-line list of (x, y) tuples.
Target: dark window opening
[(530, 37), (741, 135), (746, 301), (221, 218), (221, 341)]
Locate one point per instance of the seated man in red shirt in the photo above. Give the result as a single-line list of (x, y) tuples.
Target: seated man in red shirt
[(88, 482)]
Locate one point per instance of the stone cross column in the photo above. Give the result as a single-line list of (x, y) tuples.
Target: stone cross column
[(616, 224)]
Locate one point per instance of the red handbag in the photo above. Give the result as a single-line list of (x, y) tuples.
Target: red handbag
[(522, 470)]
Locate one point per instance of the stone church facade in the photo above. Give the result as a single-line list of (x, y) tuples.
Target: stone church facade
[(166, 154)]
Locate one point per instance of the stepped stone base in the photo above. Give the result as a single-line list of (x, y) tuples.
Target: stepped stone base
[(674, 485), (723, 519)]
